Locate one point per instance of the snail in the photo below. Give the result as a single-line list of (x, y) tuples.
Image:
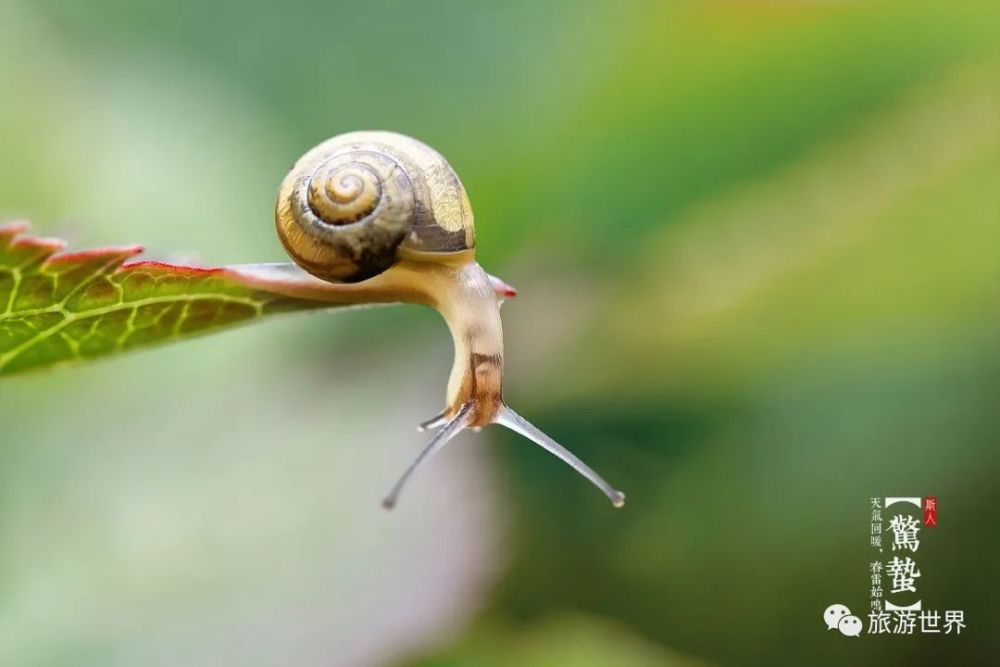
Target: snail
[(380, 217)]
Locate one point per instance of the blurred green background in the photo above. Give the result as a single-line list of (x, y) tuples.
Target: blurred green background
[(758, 249)]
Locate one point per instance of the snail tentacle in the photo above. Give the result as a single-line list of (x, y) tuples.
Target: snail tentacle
[(454, 426), (435, 422)]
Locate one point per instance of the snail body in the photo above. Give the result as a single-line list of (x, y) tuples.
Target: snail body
[(378, 217)]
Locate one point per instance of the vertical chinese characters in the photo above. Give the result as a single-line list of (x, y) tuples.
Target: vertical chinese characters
[(895, 605)]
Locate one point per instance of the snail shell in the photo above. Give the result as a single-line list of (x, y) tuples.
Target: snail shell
[(355, 204)]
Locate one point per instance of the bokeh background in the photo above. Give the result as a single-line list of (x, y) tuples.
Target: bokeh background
[(758, 249)]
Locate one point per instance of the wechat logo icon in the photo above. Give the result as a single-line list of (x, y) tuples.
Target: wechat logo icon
[(839, 617)]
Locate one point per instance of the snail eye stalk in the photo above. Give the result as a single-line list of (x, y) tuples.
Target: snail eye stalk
[(455, 426), (515, 422)]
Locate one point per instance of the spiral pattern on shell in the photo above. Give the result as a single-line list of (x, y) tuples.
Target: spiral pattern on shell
[(349, 205), (342, 194)]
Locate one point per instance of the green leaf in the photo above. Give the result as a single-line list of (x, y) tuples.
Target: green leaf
[(58, 307)]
